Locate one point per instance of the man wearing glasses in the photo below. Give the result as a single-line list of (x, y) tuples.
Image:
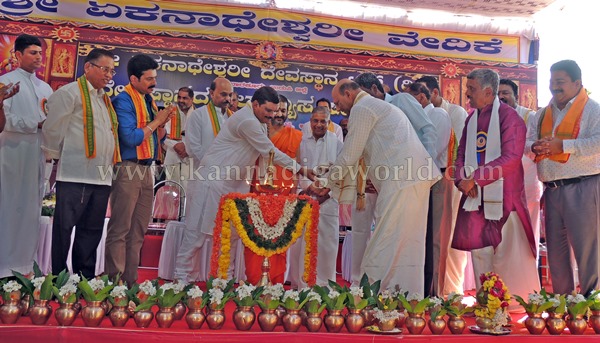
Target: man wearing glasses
[(81, 133)]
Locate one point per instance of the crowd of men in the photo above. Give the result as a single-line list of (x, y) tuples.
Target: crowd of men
[(438, 182)]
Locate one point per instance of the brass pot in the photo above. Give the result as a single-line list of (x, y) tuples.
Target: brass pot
[(291, 321), (401, 318), (77, 307), (194, 304), (484, 323), (386, 325), (179, 310), (40, 312), (368, 314), (10, 312), (334, 321), (437, 325), (143, 318), (65, 314), (415, 323), (267, 320), (244, 317), (314, 322), (93, 313), (195, 318), (119, 315), (215, 319), (280, 311), (456, 324), (25, 304), (534, 323), (354, 321), (577, 325), (595, 321), (165, 317), (555, 323)]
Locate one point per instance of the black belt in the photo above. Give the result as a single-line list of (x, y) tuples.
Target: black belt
[(146, 162), (564, 182)]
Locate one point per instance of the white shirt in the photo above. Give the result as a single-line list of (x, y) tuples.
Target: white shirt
[(240, 142), (381, 133), (63, 136), (320, 152), (199, 132), (443, 126), (337, 131), (584, 150), (24, 112), (171, 156), (458, 116)]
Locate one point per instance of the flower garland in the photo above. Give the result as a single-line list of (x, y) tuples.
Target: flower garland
[(251, 221), (492, 295)]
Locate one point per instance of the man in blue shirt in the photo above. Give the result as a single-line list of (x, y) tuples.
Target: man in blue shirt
[(140, 132)]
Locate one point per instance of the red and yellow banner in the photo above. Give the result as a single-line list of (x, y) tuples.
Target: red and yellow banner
[(268, 24)]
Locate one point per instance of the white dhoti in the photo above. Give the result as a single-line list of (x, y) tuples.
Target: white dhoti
[(396, 252), (362, 222), (328, 244), (452, 280), (512, 260)]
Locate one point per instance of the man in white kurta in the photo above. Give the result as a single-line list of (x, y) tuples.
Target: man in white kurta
[(83, 177), (453, 279), (227, 167), (401, 171), (202, 126), (176, 164), (318, 150), (21, 160)]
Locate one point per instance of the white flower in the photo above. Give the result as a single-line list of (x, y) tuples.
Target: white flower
[(314, 296), (356, 291), (575, 299), (67, 289), (216, 296), (167, 286), (414, 296), (74, 278), (195, 292), (148, 288), (386, 294), (555, 302), (455, 297), (38, 281), (264, 229), (219, 283), (385, 315), (245, 291), (333, 294), (11, 286), (435, 302), (534, 298), (291, 294), (119, 292), (275, 291), (96, 284), (178, 287)]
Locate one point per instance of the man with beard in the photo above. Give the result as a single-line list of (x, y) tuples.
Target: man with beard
[(176, 161), (565, 139), (225, 168), (132, 191), (203, 125), (287, 139), (489, 173)]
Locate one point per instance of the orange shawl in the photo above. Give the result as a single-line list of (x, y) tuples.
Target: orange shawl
[(288, 141)]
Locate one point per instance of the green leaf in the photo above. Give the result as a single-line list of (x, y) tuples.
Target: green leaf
[(421, 305), (25, 282), (46, 289), (36, 270)]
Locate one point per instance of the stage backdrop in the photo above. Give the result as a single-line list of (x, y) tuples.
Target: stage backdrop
[(302, 72)]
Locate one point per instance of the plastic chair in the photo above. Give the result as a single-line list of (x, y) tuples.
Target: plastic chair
[(168, 204)]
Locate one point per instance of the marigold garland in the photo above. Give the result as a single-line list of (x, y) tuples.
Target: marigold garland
[(234, 210)]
